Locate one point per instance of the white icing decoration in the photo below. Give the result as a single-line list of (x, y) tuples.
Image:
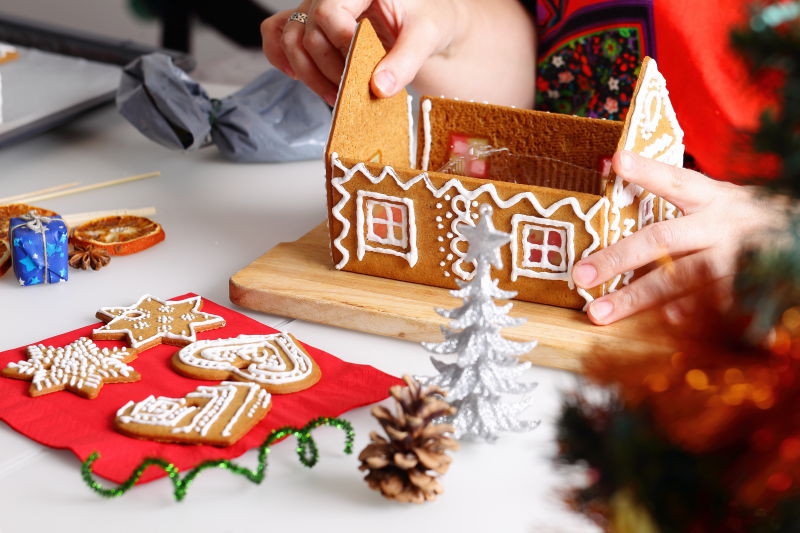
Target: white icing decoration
[(366, 201), (170, 328), (628, 224), (270, 359), (670, 211), (646, 210), (650, 106), (521, 225), (463, 194), (412, 160), (426, 130), (199, 411), (78, 366)]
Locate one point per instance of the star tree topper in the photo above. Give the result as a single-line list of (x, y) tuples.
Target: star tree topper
[(487, 367)]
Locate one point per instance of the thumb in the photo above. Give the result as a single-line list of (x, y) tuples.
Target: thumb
[(414, 45)]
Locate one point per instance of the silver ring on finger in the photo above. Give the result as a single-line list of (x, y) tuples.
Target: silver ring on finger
[(298, 16)]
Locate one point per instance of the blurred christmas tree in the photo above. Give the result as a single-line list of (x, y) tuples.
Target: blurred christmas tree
[(708, 440)]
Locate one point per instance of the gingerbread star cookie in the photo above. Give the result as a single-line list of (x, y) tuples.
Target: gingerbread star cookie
[(276, 362), (152, 321), (80, 367), (218, 415)]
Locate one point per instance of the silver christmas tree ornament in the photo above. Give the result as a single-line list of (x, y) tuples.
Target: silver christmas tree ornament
[(487, 367)]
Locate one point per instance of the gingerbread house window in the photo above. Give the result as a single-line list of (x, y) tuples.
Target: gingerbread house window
[(386, 225), (542, 248), (647, 210), (467, 156)]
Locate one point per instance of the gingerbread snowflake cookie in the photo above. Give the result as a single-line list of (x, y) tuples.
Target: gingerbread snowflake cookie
[(80, 367), (279, 363), (218, 415), (152, 321)]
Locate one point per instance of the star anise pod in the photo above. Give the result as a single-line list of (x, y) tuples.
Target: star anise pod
[(86, 257)]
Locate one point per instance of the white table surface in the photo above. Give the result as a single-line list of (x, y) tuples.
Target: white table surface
[(218, 217)]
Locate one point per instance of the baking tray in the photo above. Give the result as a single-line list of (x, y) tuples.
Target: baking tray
[(60, 74)]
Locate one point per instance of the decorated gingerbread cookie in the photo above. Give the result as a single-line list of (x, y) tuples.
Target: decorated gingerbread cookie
[(218, 415), (80, 367), (152, 321), (276, 362)]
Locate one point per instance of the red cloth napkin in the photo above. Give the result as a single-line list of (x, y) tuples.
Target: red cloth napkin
[(65, 420)]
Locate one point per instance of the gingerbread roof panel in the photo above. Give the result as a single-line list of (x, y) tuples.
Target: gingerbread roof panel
[(651, 127), (366, 127)]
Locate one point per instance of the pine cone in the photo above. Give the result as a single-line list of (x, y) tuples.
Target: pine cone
[(85, 257), (406, 466)]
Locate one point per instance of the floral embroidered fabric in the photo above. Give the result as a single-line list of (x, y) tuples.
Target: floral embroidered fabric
[(589, 54), (568, 83)]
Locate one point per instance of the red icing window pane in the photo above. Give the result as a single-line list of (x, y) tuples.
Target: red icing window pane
[(536, 236), (397, 232), (378, 211), (381, 230), (554, 258), (554, 238), (536, 256), (397, 214)]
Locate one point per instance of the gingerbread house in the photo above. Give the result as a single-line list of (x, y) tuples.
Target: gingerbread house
[(395, 211)]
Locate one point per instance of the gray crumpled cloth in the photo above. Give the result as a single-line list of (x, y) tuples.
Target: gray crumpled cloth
[(273, 119)]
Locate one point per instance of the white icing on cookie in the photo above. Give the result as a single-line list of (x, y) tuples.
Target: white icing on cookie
[(264, 359), (196, 415), (81, 367), (152, 319)]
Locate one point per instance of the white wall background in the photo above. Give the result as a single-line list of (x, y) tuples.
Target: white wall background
[(218, 59)]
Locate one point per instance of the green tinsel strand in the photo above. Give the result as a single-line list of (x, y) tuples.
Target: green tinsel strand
[(307, 453)]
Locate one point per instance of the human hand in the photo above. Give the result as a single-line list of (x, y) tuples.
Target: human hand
[(718, 220), (314, 52)]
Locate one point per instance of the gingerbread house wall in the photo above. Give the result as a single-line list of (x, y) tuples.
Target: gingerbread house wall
[(578, 144), (365, 127), (434, 204)]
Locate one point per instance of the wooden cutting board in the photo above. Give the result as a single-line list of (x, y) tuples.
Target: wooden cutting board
[(297, 279)]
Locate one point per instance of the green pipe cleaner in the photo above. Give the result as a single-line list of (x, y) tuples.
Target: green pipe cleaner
[(306, 449)]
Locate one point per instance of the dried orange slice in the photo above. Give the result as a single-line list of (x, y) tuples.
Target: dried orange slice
[(119, 235), (5, 257), (7, 212)]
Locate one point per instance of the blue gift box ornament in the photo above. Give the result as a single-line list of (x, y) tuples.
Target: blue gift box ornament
[(39, 249)]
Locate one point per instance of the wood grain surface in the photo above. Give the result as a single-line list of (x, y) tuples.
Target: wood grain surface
[(297, 280)]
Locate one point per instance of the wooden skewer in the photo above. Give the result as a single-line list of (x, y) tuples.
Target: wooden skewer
[(76, 219), (20, 197), (91, 187)]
